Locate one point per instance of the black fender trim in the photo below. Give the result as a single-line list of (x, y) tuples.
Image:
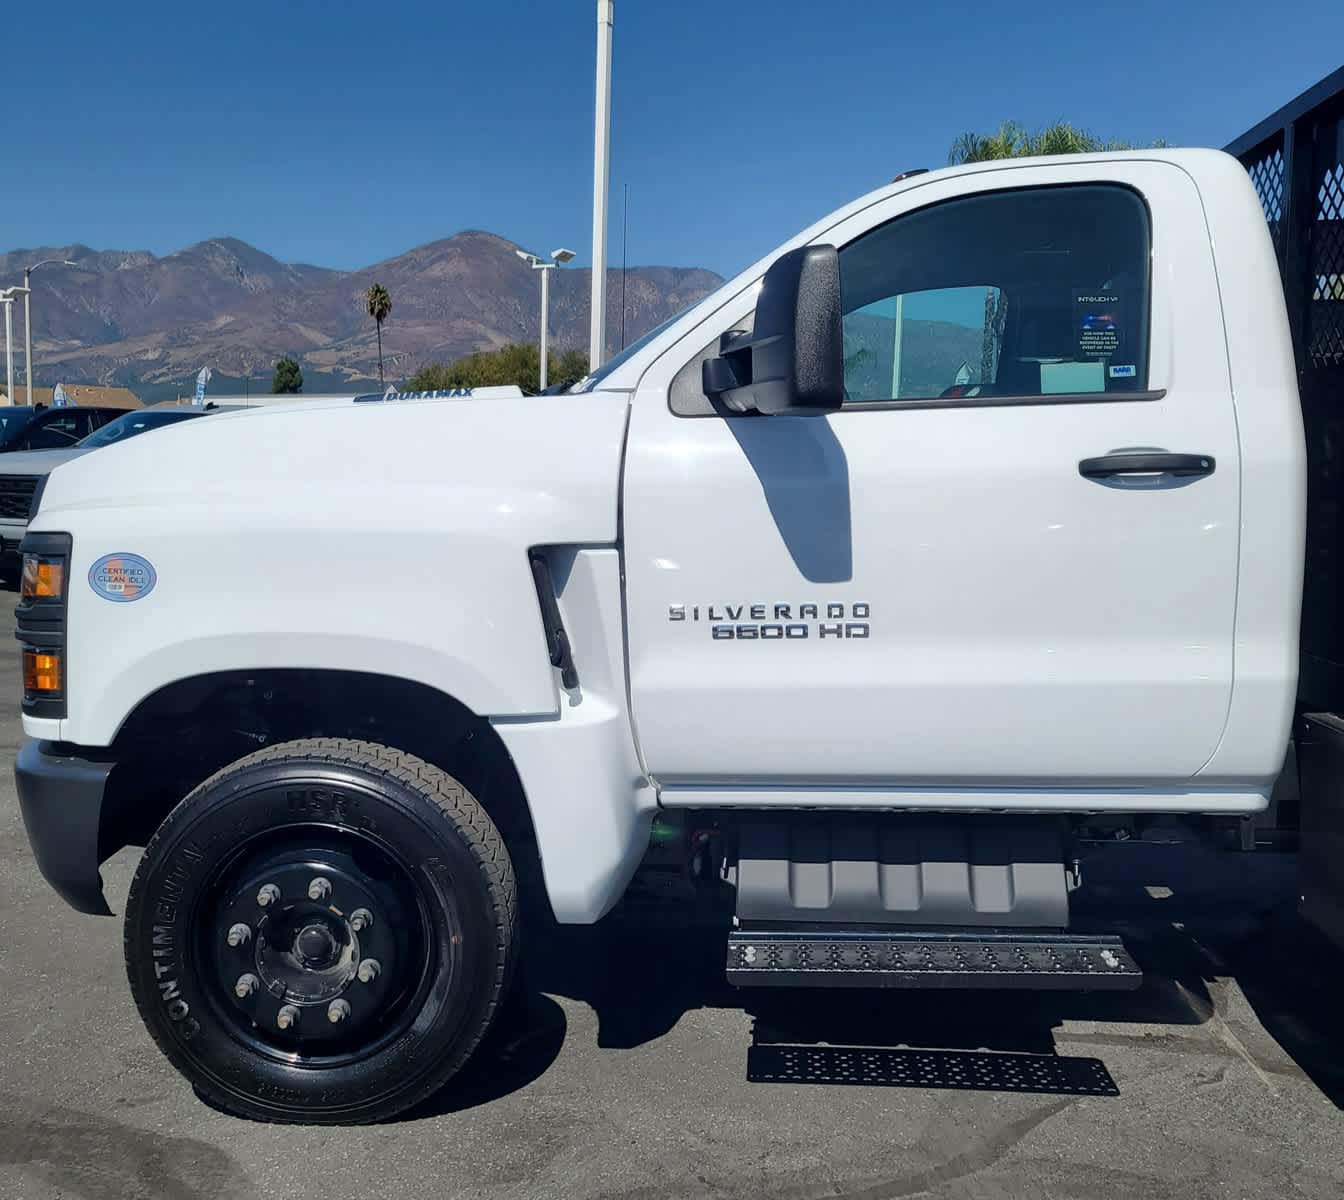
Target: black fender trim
[(61, 798)]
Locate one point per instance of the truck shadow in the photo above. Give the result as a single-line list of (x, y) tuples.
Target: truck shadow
[(643, 968), (804, 476), (1207, 927)]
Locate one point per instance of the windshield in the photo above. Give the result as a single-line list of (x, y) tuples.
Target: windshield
[(13, 421), (589, 382), (133, 424)]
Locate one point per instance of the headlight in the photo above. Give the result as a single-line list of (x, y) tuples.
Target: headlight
[(43, 577), (40, 617)]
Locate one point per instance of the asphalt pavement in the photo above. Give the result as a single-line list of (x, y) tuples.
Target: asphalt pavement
[(636, 1072)]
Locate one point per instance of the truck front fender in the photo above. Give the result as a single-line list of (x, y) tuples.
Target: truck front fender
[(384, 538)]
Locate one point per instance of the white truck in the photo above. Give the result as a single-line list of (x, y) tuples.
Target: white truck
[(970, 518)]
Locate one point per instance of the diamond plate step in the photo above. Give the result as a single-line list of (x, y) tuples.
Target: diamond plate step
[(811, 958)]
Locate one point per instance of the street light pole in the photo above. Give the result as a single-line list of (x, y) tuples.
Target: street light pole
[(557, 257), (546, 270), (28, 318), (606, 18), (7, 299)]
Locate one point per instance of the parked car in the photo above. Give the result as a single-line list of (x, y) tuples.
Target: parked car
[(42, 428), (22, 470)]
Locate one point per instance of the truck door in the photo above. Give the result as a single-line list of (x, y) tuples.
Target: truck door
[(1009, 559)]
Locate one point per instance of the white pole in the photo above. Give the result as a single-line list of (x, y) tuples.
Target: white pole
[(545, 308), (8, 302), (898, 333), (28, 331), (606, 18)]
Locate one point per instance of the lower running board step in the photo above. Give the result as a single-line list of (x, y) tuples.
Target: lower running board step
[(816, 958)]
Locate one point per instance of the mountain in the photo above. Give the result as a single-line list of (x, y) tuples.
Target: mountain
[(133, 318)]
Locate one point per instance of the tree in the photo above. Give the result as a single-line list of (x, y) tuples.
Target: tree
[(378, 304), (1012, 139), (517, 363), (288, 377)]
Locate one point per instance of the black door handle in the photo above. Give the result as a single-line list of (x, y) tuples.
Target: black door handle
[(1145, 463)]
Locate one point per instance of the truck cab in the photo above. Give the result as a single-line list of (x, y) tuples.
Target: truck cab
[(969, 518)]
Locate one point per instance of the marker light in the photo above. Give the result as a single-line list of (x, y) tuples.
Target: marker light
[(41, 673)]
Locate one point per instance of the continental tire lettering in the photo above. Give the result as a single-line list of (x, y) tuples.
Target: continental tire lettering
[(163, 945), (329, 803)]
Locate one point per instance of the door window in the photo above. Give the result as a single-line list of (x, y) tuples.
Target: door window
[(56, 432), (1034, 292)]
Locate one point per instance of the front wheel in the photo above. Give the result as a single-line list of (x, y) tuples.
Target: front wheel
[(322, 932)]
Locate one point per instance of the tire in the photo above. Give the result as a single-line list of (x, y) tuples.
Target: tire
[(391, 838)]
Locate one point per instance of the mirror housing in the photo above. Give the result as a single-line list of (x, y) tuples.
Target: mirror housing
[(792, 363)]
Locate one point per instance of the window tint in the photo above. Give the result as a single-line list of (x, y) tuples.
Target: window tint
[(13, 421), (57, 431), (135, 423), (1024, 293)]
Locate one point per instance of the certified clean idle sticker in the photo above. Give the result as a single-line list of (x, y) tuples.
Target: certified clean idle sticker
[(122, 577)]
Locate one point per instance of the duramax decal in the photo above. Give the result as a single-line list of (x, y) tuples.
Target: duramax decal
[(775, 622)]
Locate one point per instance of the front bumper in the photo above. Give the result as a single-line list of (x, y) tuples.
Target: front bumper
[(61, 798)]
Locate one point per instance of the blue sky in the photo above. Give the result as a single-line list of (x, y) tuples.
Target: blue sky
[(341, 133)]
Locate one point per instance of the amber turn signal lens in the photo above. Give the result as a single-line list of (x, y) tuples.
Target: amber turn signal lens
[(43, 578), (41, 672)]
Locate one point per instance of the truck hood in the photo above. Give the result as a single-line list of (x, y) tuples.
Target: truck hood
[(37, 462), (367, 463)]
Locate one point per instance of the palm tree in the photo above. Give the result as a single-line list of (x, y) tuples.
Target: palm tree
[(379, 304), (1012, 139)]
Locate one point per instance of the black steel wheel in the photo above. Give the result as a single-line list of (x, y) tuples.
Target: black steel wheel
[(322, 932)]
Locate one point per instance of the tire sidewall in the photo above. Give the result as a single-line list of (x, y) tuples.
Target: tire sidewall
[(171, 893)]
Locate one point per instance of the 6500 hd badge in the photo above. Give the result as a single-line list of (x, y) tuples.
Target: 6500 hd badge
[(777, 622)]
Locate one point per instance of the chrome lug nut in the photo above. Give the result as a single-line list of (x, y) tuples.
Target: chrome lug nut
[(246, 985), (287, 1016), (268, 895), (361, 919), (239, 935), (368, 970), (337, 1011), (319, 889)]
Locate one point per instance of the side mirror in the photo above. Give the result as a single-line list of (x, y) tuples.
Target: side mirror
[(792, 362)]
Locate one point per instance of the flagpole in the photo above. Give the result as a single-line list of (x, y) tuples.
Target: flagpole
[(597, 348)]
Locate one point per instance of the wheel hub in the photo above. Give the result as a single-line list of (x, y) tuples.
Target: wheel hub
[(315, 946), (313, 949)]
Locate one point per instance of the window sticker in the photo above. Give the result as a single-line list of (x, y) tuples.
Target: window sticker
[(1096, 323), (1125, 371), (1067, 378)]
